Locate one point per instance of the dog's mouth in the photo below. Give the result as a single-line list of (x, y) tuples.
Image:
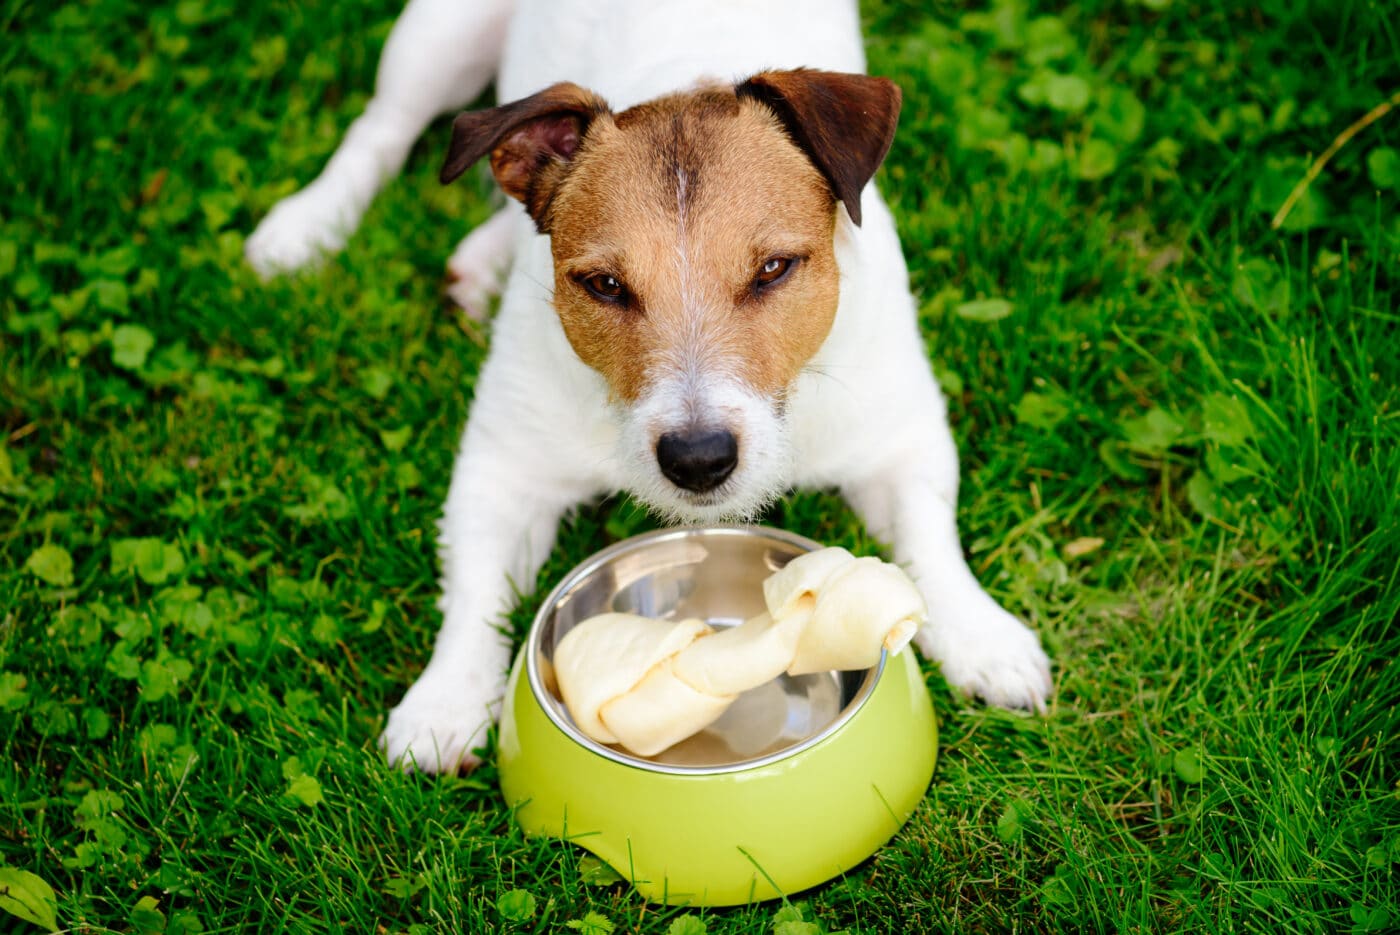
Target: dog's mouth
[(717, 456), (709, 500), (686, 507)]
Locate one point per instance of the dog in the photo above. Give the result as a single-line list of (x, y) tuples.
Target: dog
[(707, 306)]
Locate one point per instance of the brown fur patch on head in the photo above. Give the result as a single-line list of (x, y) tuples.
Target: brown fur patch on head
[(679, 203)]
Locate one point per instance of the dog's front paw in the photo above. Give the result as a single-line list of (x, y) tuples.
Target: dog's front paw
[(990, 654), (299, 229), (437, 726)]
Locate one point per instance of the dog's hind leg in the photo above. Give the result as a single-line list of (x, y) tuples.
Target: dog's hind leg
[(981, 649), (439, 56), (477, 268)]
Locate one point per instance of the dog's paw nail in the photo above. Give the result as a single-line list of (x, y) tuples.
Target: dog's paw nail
[(474, 274), (435, 729), (996, 658), (425, 749), (469, 294)]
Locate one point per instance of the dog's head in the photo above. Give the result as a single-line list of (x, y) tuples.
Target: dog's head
[(694, 265)]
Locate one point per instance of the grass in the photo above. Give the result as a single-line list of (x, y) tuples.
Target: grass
[(1181, 456)]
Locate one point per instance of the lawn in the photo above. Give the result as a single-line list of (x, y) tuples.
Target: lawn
[(1179, 424)]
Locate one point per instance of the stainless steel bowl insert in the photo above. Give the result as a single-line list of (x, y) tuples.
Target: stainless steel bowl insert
[(716, 574)]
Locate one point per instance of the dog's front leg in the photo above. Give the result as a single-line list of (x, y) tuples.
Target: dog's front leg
[(498, 526), (982, 649)]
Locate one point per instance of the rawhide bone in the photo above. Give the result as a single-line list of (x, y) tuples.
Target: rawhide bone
[(648, 684)]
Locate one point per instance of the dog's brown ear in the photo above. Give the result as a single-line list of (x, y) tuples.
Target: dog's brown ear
[(844, 123), (530, 141)]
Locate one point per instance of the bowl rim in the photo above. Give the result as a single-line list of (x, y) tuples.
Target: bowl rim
[(540, 695)]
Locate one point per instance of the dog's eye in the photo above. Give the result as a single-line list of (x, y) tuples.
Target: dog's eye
[(605, 288), (773, 271)]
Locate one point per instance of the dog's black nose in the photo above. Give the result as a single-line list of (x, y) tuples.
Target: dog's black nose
[(698, 460)]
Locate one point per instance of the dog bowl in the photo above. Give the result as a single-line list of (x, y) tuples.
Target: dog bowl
[(802, 779)]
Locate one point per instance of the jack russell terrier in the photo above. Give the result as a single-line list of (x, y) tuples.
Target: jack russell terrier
[(708, 305)]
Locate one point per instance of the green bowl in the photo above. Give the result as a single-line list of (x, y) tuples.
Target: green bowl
[(801, 780)]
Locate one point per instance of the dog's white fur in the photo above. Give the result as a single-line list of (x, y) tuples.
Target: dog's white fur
[(865, 416)]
